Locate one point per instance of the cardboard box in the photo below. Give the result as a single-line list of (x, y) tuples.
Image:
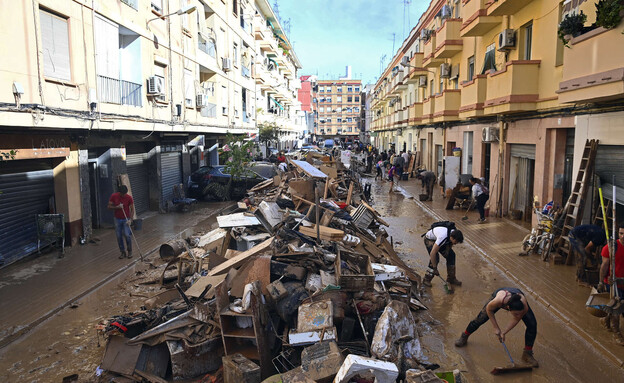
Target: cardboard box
[(315, 316)]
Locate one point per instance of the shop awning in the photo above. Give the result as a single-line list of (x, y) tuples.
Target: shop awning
[(277, 103)]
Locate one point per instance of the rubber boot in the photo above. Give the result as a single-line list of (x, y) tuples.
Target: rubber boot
[(606, 323), (450, 276), (462, 340), (123, 254), (427, 279), (527, 357)]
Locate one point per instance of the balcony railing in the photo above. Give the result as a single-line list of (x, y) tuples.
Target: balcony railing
[(447, 105), (514, 88), (207, 46), (448, 40), (473, 96), (476, 22), (114, 91), (506, 7)]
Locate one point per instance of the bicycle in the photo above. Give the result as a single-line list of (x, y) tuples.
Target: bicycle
[(540, 240)]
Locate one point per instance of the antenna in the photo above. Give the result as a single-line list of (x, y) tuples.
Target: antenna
[(393, 39), (381, 63), (406, 12), (276, 10)]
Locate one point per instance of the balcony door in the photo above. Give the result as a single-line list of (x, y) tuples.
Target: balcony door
[(467, 153)]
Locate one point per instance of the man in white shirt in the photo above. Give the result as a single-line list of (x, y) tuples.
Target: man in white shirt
[(440, 240)]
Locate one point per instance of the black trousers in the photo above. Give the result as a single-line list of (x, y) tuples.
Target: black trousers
[(481, 200), (529, 321), (446, 251)]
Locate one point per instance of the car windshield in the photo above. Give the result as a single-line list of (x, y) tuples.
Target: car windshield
[(266, 171)]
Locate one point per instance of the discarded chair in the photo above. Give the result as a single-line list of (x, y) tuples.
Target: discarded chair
[(180, 201)]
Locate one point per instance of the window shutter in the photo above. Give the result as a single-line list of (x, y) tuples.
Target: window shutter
[(107, 47), (55, 44), (189, 87)]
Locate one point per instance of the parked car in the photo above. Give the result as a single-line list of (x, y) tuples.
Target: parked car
[(210, 182)]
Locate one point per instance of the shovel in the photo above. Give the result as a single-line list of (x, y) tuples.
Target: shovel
[(447, 287), (512, 367)]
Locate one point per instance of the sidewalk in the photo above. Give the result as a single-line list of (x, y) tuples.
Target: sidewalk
[(554, 286), (35, 289)]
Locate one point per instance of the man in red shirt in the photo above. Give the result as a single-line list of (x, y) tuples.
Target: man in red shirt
[(123, 206), (612, 321)]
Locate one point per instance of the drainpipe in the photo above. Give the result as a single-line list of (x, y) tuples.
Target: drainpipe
[(499, 187)]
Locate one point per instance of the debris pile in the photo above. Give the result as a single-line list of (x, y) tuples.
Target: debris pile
[(301, 284)]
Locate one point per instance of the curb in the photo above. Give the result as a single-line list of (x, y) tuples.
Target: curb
[(7, 340), (547, 305)]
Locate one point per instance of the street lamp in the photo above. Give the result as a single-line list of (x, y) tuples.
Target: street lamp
[(182, 11)]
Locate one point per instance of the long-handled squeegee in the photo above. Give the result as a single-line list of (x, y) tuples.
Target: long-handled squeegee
[(512, 367)]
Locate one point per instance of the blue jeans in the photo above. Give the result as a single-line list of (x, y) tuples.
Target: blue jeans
[(122, 229)]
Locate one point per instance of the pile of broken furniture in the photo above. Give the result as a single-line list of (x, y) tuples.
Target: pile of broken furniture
[(301, 284)]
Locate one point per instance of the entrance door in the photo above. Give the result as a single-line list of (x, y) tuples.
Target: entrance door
[(171, 171), (487, 157), (439, 159), (467, 153), (522, 175), (94, 198)]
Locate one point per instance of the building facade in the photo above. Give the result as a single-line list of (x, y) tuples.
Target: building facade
[(337, 106), (128, 91), (494, 80)]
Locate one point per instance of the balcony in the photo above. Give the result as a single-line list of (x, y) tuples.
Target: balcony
[(114, 91), (514, 88), (447, 105), (428, 110), (269, 45), (506, 7), (260, 30), (397, 84), (476, 20), (416, 68), (473, 96), (415, 113), (448, 40), (593, 67), (428, 51)]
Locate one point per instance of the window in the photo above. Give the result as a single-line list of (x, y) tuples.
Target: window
[(357, 88), (339, 89), (189, 88), (339, 120), (357, 98), (235, 54), (157, 5), (349, 89), (348, 110), (471, 68), (328, 99), (441, 85), (356, 110), (132, 3), (349, 119), (235, 7), (349, 99), (489, 62), (321, 89), (339, 110), (431, 90), (528, 37), (224, 100), (160, 74), (55, 46), (322, 109), (329, 120)]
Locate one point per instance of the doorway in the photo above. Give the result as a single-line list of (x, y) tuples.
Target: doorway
[(467, 153), (94, 197), (487, 156)]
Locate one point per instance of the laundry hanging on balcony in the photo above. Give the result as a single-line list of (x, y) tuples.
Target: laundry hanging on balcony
[(276, 103)]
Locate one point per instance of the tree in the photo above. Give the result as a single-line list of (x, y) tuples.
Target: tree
[(238, 153), (267, 133), (5, 156)]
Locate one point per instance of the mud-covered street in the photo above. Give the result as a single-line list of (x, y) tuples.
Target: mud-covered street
[(67, 343)]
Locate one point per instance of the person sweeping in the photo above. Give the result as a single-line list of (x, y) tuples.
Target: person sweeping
[(513, 300)]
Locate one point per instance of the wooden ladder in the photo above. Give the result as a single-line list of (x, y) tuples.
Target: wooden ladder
[(599, 220), (574, 208)]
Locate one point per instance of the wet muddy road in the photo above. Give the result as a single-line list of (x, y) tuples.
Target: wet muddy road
[(562, 354), (67, 343)]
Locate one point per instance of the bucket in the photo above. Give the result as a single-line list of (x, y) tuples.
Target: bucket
[(423, 197), (597, 303), (137, 224)]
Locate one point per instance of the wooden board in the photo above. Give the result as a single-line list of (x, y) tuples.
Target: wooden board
[(327, 233), (198, 287), (240, 258), (237, 219), (309, 169)]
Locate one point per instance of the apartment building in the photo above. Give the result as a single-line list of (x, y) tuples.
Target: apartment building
[(134, 91), (337, 105), (493, 79)]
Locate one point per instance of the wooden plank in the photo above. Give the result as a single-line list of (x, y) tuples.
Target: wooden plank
[(237, 219), (326, 233), (309, 169), (350, 194), (240, 258)]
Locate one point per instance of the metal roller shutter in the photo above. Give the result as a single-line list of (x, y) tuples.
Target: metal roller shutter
[(24, 195), (171, 170), (139, 180), (523, 151), (609, 160)]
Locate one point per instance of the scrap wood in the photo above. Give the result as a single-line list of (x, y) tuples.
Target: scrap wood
[(150, 377), (394, 258), (308, 169), (240, 258), (198, 287), (326, 233), (349, 194), (262, 185), (377, 216)]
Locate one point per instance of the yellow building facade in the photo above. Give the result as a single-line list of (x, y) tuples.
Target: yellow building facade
[(97, 90), (493, 79), (337, 104)]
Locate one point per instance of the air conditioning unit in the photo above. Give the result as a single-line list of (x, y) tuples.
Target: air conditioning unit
[(445, 70), (200, 100), (489, 134), (422, 81), (155, 85), (226, 64), (405, 61), (506, 39), (446, 12)]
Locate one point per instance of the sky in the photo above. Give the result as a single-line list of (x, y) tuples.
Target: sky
[(328, 35)]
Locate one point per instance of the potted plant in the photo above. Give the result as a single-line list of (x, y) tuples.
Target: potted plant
[(571, 26), (609, 13)]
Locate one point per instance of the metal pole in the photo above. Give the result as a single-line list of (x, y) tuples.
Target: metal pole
[(317, 213), (613, 247)]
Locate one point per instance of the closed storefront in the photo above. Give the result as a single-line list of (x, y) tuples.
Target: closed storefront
[(138, 173), (171, 173), (24, 194), (609, 160)]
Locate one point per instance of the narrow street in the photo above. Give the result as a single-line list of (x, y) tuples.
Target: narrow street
[(562, 353)]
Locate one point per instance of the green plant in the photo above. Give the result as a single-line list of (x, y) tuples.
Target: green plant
[(573, 25), (10, 155), (608, 13), (237, 153), (267, 133)]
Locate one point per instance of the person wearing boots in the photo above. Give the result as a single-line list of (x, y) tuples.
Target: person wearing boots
[(123, 206), (514, 301), (612, 321), (440, 240)]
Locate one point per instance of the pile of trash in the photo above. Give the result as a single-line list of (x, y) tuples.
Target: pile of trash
[(300, 284)]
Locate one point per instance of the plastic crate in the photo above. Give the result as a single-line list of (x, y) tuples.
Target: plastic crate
[(355, 282)]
